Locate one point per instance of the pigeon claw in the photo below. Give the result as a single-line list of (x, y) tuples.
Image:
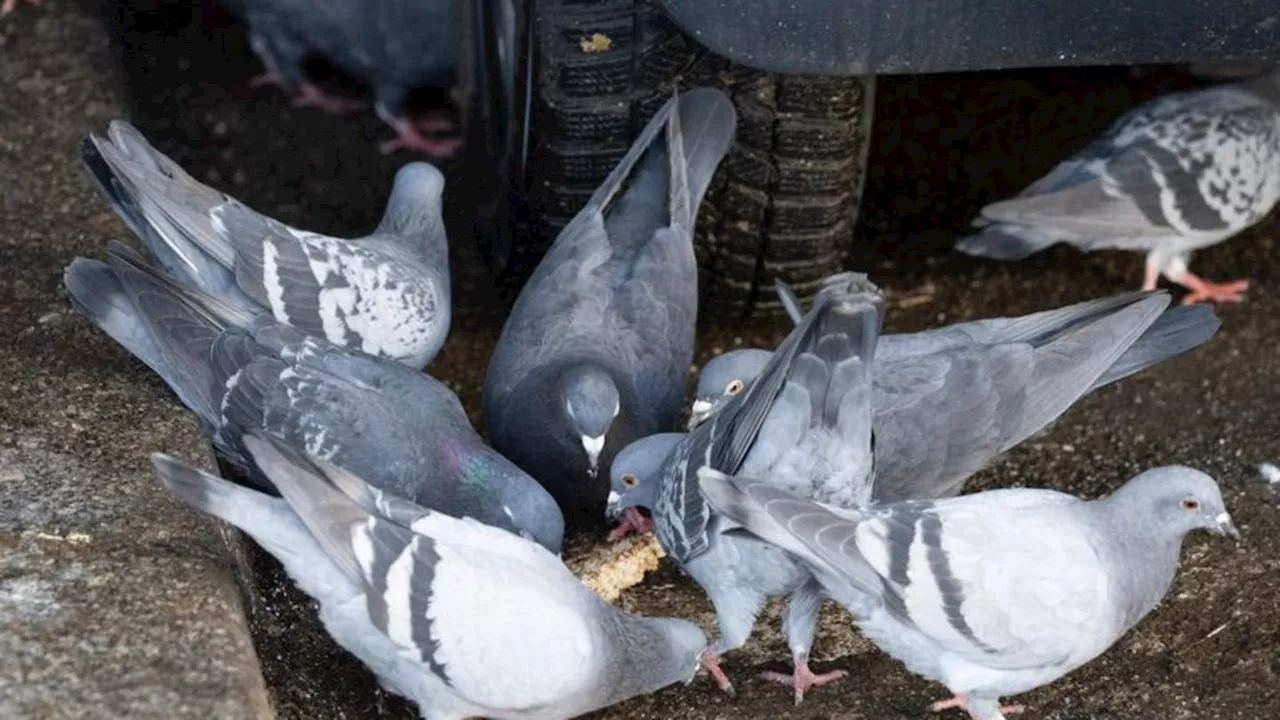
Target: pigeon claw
[(1203, 290), (710, 662), (803, 679), (436, 121), (410, 137), (962, 703), (632, 521)]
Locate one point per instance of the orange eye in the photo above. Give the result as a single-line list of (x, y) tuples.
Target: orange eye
[(1190, 503), (629, 480), (734, 387)]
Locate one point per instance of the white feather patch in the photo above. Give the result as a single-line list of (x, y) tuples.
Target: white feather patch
[(399, 584), (271, 281)]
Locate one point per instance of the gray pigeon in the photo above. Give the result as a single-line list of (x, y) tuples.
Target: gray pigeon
[(394, 45), (463, 619), (809, 414), (597, 349), (1174, 332), (399, 428), (994, 593), (945, 404), (385, 294), (1181, 173)]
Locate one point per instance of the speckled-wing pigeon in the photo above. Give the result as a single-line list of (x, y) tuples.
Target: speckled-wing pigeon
[(597, 349), (810, 412), (994, 593), (394, 45), (465, 620), (1180, 173), (399, 428), (386, 294)]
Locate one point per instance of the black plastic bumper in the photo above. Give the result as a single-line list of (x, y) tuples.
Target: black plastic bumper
[(861, 37)]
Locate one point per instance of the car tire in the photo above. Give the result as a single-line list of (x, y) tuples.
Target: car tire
[(784, 203)]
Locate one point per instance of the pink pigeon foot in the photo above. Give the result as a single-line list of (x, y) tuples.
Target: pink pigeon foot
[(803, 678), (411, 138), (436, 121), (11, 5), (310, 95), (959, 701), (710, 662), (270, 77), (1231, 291), (633, 521)]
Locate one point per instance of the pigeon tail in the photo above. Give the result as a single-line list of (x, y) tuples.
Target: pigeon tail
[(169, 211), (267, 519), (1005, 242), (1176, 331)]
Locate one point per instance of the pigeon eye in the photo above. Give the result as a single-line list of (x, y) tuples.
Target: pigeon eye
[(629, 480), (734, 387), (1190, 503)]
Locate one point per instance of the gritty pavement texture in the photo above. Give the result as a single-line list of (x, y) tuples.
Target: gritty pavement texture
[(119, 624), (115, 601)]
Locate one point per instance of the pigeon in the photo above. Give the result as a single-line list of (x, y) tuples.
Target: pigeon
[(994, 593), (944, 404), (810, 411), (597, 348), (403, 430), (386, 294), (394, 45), (1175, 331), (463, 619), (1180, 173)]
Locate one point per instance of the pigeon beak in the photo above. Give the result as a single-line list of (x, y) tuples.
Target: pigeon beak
[(699, 412), (613, 509), (1224, 526), (593, 446)]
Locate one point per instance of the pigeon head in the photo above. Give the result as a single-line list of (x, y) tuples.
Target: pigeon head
[(723, 377), (655, 652), (1176, 500), (591, 402), (534, 512), (637, 471), (416, 202)]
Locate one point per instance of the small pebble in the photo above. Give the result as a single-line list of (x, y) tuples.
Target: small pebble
[(1270, 473)]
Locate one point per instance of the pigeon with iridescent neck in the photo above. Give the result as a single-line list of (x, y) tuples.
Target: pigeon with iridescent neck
[(402, 430), (596, 351)]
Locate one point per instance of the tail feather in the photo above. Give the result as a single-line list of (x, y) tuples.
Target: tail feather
[(1176, 331), (181, 328), (97, 293), (1068, 367), (809, 531), (1002, 241), (268, 520), (165, 207), (790, 302), (705, 126)]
